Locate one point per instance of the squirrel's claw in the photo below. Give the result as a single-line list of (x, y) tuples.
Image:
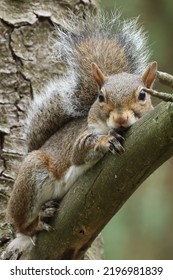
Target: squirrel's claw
[(120, 138), (111, 142), (47, 227), (115, 142), (115, 147), (117, 135)]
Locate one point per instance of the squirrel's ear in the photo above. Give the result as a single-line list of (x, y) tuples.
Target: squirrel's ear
[(97, 74), (150, 74)]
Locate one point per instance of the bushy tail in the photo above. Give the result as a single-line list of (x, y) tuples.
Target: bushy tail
[(116, 46), (98, 32)]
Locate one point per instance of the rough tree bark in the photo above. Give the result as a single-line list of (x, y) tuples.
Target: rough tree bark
[(26, 64)]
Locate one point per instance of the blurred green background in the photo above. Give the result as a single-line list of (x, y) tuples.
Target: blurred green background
[(143, 228)]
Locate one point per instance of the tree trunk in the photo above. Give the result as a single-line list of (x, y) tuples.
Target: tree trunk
[(26, 64)]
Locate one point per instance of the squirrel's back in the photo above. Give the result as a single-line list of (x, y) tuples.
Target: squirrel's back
[(115, 46)]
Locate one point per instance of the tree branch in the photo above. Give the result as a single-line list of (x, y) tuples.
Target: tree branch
[(102, 191), (165, 78), (162, 95)]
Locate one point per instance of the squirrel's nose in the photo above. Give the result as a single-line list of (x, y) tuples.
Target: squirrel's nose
[(121, 120)]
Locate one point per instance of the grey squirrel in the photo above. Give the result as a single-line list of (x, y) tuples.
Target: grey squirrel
[(115, 46), (73, 123)]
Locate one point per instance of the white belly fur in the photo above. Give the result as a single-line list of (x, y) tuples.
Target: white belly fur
[(72, 174)]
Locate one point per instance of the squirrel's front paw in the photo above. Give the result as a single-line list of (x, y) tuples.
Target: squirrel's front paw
[(111, 142)]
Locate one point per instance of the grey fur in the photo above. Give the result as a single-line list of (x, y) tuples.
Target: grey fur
[(127, 33), (72, 95)]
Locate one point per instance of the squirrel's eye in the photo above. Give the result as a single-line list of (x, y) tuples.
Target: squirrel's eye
[(142, 95), (101, 97)]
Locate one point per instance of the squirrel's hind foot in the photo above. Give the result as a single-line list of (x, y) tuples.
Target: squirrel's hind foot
[(48, 209)]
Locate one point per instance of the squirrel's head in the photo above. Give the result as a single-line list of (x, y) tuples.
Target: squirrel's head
[(121, 99)]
